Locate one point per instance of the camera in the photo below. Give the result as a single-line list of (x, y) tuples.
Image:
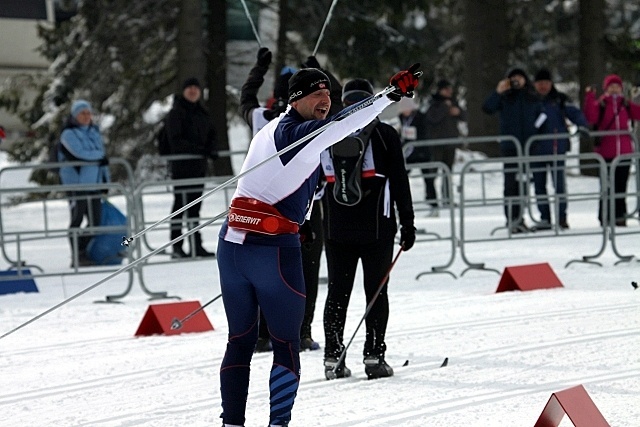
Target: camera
[(515, 83)]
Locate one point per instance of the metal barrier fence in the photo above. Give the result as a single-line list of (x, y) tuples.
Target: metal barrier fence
[(468, 202), (25, 236), (165, 190), (134, 199), (522, 165), (620, 234), (441, 171), (131, 196)]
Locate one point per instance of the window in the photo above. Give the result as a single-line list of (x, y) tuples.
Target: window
[(238, 26), (23, 9)]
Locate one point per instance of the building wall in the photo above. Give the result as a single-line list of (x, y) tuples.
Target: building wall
[(19, 22)]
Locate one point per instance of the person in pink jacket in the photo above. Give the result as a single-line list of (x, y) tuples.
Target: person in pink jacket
[(612, 112)]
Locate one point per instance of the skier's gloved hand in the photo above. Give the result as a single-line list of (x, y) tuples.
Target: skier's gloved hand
[(307, 236), (583, 132), (405, 82), (311, 62), (407, 237), (264, 57), (104, 161)]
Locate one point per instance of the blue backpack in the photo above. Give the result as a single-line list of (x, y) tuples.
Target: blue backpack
[(107, 249)]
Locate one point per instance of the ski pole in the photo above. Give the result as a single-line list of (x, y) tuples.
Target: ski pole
[(253, 27), (324, 26), (127, 240), (369, 307), (556, 205), (114, 274), (177, 324)]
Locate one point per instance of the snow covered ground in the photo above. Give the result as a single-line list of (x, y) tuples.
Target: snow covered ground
[(82, 366)]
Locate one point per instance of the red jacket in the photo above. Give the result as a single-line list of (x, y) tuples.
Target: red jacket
[(614, 117)]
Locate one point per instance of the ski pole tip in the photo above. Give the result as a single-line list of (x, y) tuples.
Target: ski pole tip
[(176, 324)]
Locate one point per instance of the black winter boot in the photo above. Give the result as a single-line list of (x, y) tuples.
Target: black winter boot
[(332, 371), (307, 343), (263, 345), (178, 252), (376, 367), (200, 250)]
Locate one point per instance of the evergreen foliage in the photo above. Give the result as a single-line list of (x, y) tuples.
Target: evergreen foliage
[(121, 55)]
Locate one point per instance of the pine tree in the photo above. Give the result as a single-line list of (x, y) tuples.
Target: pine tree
[(121, 57)]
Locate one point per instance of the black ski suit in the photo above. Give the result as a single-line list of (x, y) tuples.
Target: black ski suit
[(365, 231)]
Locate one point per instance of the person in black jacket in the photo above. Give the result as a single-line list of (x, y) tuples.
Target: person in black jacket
[(443, 115), (189, 131), (520, 116), (360, 223)]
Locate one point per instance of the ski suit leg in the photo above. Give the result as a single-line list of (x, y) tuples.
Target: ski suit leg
[(263, 332), (269, 277), (376, 259), (281, 295), (342, 261), (311, 255), (241, 308)]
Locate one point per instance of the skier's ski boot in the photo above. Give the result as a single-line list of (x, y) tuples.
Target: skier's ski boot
[(307, 343), (376, 367), (332, 371), (263, 345)]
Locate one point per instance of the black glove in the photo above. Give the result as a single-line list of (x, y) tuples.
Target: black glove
[(583, 132), (264, 57), (407, 237), (307, 236), (405, 82), (311, 62), (104, 161)]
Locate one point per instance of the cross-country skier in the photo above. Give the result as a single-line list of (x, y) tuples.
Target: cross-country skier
[(257, 117), (367, 183), (259, 247)]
